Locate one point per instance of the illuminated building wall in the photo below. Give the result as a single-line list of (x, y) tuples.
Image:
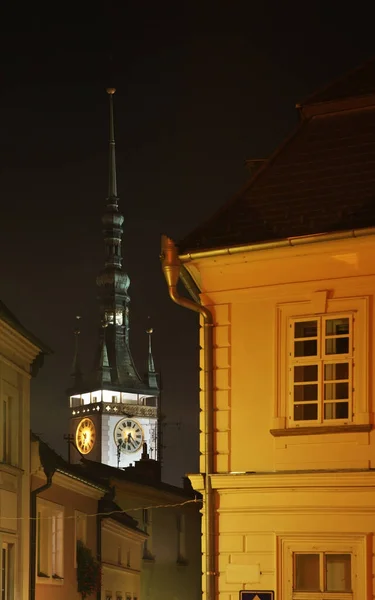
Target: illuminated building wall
[(293, 467)]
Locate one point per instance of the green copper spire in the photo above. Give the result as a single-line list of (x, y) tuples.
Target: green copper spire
[(151, 373), (76, 367), (112, 177)]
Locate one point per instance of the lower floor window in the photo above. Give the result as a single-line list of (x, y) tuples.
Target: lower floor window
[(323, 566), (322, 572)]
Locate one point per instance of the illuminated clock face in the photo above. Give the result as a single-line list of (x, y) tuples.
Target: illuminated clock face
[(85, 436), (128, 435)]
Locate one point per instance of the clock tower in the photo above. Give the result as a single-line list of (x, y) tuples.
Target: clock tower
[(115, 410)]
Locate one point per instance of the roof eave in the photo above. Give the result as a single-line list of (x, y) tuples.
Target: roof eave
[(194, 255)]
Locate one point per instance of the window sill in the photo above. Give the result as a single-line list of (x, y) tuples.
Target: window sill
[(148, 558), (49, 580), (182, 562), (321, 430)]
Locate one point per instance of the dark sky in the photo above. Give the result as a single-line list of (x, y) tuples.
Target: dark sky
[(201, 87)]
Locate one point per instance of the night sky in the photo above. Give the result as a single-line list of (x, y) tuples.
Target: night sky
[(201, 87)]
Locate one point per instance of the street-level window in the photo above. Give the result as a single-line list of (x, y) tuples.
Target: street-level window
[(321, 360), (322, 572), (317, 566)]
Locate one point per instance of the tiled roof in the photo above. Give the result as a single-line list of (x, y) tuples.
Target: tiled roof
[(358, 82), (322, 179)]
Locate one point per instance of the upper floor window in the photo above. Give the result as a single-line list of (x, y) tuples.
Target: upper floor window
[(80, 526), (322, 366), (181, 539), (321, 358), (6, 429), (7, 571), (50, 519), (147, 528)]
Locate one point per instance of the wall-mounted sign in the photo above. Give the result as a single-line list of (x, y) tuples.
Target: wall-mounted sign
[(258, 595)]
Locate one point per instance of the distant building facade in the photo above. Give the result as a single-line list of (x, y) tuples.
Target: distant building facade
[(284, 278), (74, 510), (170, 518), (21, 354)]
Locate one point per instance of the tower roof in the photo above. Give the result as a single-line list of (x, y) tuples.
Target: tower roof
[(320, 180), (114, 366)]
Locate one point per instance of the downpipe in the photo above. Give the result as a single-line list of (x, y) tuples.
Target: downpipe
[(171, 266), (33, 523)]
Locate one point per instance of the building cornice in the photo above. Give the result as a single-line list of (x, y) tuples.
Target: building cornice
[(122, 530), (288, 480), (74, 484), (119, 568)]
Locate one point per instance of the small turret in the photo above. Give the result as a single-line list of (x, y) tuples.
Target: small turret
[(76, 366)]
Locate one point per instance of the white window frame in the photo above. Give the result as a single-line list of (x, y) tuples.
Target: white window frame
[(290, 544), (320, 359), (50, 515), (303, 310), (7, 556)]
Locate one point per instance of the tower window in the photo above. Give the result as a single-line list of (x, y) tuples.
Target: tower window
[(119, 317)]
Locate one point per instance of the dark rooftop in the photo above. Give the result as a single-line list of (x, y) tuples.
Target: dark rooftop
[(321, 180), (7, 316), (356, 83)]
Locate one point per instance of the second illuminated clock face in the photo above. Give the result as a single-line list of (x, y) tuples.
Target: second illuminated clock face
[(128, 435), (85, 436)]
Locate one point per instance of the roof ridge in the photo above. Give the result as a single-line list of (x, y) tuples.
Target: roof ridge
[(182, 245), (309, 100)]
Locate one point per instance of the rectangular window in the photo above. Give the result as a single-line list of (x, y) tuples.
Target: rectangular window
[(6, 420), (147, 550), (80, 526), (322, 572), (50, 520), (321, 369), (181, 539), (7, 571), (317, 566)]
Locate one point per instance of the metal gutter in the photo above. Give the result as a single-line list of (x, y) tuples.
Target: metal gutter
[(33, 525), (171, 265), (284, 243)]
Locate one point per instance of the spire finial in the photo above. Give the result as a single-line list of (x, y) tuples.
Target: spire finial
[(152, 378), (112, 177), (76, 368)]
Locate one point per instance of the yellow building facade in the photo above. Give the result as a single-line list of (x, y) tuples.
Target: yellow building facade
[(284, 280), (20, 356)]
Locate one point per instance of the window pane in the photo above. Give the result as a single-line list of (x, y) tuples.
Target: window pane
[(305, 393), (337, 326), (336, 372), (338, 573), (336, 391), (336, 410), (305, 412), (306, 348), (306, 329), (307, 373), (337, 345), (306, 573)]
